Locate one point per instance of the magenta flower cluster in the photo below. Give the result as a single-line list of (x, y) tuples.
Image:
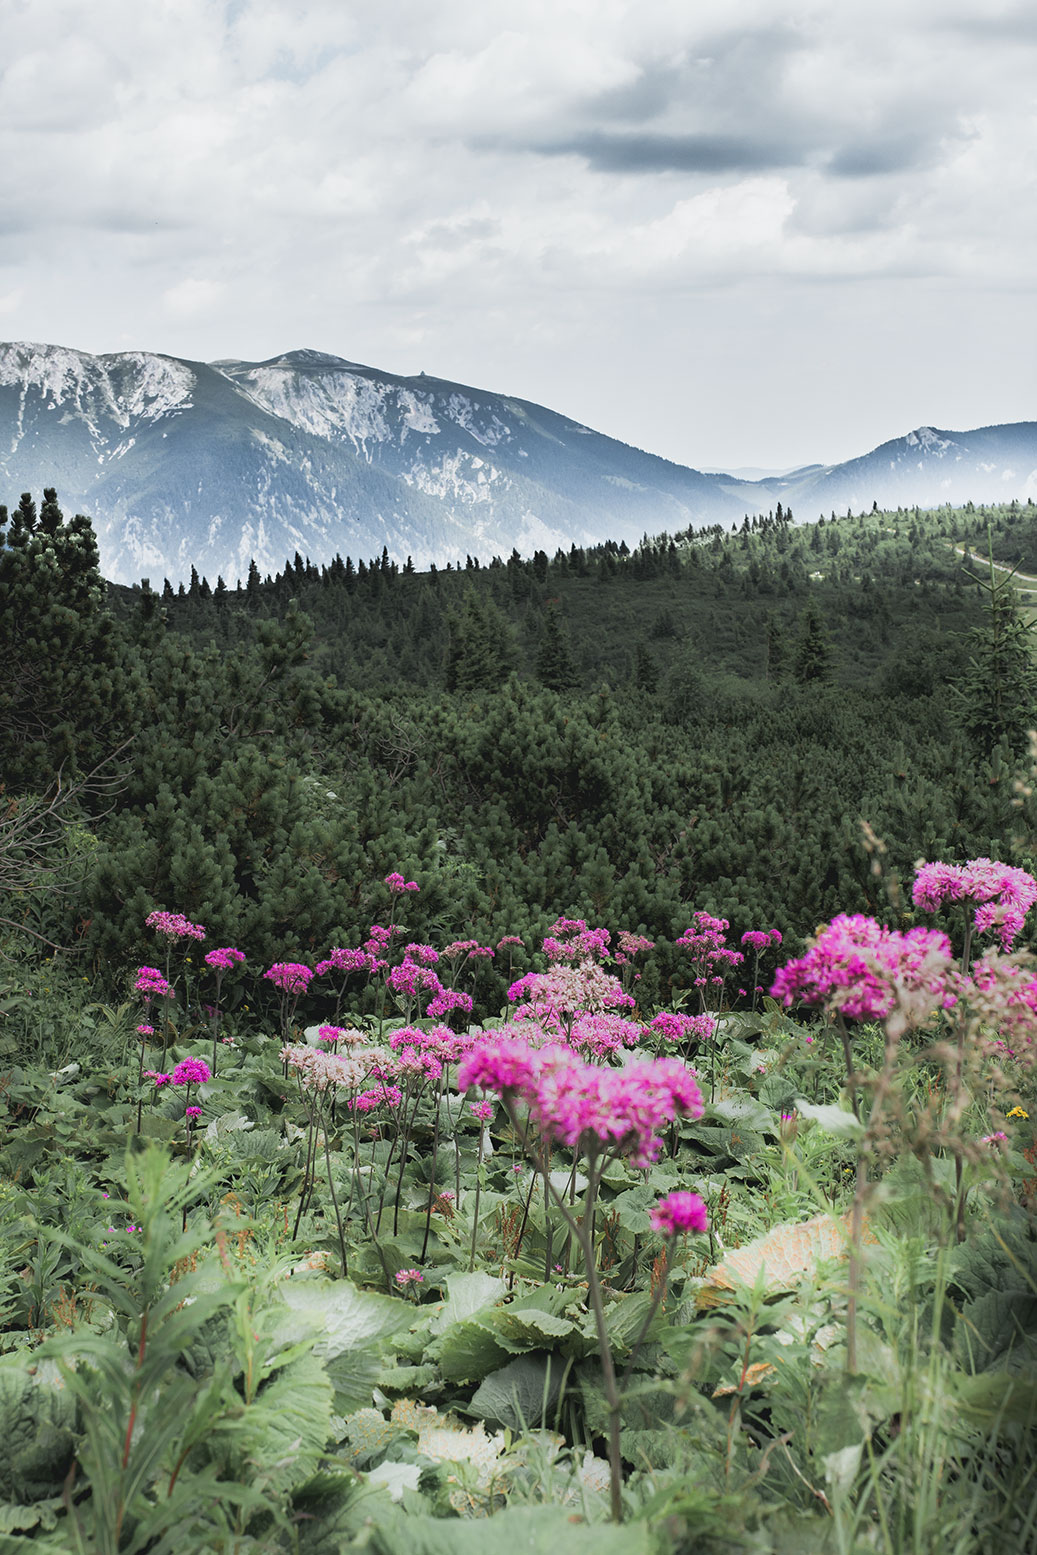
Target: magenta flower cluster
[(630, 945), (397, 885), (566, 990), (711, 955), (224, 959), (677, 1027), (341, 959), (290, 976), (1001, 894), (191, 1071), (174, 925), (569, 939), (580, 1104), (151, 983), (857, 966), (679, 1212), (470, 949), (761, 939)]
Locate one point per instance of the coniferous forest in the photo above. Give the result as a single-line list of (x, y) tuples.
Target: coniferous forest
[(702, 723), (598, 953)]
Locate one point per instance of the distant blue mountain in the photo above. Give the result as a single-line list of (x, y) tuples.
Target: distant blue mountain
[(210, 465)]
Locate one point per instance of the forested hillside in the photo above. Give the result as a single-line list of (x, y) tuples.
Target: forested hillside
[(702, 723)]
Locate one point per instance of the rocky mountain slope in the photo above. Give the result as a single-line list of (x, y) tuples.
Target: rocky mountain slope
[(210, 465)]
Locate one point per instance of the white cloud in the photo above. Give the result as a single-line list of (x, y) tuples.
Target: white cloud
[(519, 191), (192, 297)]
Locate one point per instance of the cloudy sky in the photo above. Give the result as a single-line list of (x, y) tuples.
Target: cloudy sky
[(734, 232)]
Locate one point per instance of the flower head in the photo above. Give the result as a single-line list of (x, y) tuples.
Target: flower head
[(404, 1277), (290, 976), (859, 967), (224, 959), (151, 983), (173, 925), (678, 1212), (342, 959), (1002, 894), (191, 1071)]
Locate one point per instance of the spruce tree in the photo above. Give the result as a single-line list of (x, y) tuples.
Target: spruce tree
[(64, 693), (555, 667), (812, 657), (995, 696)]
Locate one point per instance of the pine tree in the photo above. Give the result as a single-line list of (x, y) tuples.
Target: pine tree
[(555, 667), (812, 657), (65, 687), (995, 696)]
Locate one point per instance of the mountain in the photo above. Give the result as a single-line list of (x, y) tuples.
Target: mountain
[(926, 468), (183, 463), (211, 465)]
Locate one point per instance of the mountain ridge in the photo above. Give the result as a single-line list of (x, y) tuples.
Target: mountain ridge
[(186, 464)]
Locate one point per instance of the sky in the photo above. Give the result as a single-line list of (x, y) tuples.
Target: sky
[(737, 233)]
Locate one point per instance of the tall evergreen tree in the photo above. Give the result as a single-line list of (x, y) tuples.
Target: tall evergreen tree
[(555, 666), (812, 657), (995, 696)]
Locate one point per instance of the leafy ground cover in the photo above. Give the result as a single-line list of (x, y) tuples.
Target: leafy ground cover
[(754, 1272)]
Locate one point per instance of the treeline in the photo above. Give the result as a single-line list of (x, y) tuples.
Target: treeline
[(627, 736)]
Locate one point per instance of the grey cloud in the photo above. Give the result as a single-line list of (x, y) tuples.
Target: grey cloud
[(609, 152), (877, 156)]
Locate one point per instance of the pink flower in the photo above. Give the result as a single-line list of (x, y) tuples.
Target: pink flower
[(159, 1079), (446, 1000), (500, 1064), (152, 984), (1003, 893), (760, 939), (676, 1027), (191, 1071), (408, 1277), (705, 939), (632, 945), (343, 960), (425, 955), (397, 885), (859, 967), (602, 1035), (145, 1031), (174, 925), (467, 948), (678, 1212), (378, 1096), (224, 959), (193, 1112), (569, 939), (565, 990), (290, 976)]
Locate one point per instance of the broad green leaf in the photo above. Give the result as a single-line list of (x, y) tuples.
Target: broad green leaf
[(395, 1478), (832, 1119), (36, 1425), (468, 1294), (530, 1327), (468, 1351), (533, 1530), (283, 1431), (520, 1394), (841, 1468), (342, 1316)]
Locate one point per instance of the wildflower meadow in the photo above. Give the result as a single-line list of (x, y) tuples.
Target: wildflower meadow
[(313, 1257)]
